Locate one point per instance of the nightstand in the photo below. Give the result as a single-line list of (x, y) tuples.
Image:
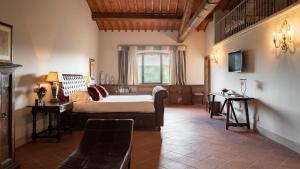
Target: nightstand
[(59, 111)]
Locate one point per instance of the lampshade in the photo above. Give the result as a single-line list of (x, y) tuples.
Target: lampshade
[(52, 77), (87, 79)]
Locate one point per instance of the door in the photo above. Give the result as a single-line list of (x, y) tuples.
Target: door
[(207, 77), (5, 119)]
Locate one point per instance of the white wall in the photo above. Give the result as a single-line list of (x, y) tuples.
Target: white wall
[(49, 35), (108, 58), (273, 80)]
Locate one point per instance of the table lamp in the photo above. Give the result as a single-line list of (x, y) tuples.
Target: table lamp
[(53, 79), (87, 80)]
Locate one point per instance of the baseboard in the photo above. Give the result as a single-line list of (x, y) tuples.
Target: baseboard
[(275, 137), (279, 139)]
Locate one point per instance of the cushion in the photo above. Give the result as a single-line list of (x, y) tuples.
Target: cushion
[(82, 96), (94, 93), (102, 90)]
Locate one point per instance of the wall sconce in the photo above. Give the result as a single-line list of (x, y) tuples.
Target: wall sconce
[(283, 39), (214, 56)]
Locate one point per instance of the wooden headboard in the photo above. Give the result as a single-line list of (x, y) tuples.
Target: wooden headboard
[(71, 83)]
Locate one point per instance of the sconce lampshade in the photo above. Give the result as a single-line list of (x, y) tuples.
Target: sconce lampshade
[(52, 77)]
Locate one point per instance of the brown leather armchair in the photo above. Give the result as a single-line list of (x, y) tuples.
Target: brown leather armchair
[(106, 144)]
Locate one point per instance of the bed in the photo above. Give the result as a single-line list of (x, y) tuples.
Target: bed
[(147, 111)]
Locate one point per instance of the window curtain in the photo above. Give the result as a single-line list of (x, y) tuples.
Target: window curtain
[(132, 66), (123, 53), (178, 66)]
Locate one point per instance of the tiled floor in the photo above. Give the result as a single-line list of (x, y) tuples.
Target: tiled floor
[(189, 140)]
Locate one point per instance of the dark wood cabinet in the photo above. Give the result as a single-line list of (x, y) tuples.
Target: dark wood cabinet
[(7, 130)]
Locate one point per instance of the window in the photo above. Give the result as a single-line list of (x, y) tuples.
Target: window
[(153, 68)]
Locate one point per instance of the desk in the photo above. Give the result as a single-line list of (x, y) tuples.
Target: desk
[(57, 109), (228, 102)]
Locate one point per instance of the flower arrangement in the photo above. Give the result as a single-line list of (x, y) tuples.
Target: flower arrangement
[(41, 92)]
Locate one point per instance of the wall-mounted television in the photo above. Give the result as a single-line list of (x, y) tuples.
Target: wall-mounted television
[(235, 61)]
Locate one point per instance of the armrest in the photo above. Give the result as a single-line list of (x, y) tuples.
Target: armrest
[(159, 95)]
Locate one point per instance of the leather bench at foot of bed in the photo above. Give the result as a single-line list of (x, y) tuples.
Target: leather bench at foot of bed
[(106, 144)]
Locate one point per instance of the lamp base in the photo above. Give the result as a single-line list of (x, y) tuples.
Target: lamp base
[(54, 88), (54, 100)]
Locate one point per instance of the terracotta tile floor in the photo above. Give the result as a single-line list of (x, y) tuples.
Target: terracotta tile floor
[(189, 140)]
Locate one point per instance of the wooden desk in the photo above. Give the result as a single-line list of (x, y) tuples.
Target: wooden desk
[(57, 109), (228, 101)]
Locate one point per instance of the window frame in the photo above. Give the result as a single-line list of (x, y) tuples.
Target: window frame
[(161, 70)]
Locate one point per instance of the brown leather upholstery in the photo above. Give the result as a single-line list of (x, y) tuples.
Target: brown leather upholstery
[(160, 94), (106, 144)]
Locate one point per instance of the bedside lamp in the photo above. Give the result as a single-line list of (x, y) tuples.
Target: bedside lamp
[(87, 80), (53, 78)]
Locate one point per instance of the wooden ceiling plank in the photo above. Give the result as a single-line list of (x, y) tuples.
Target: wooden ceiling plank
[(152, 6), (100, 6), (120, 26), (111, 7), (168, 6), (98, 15), (104, 6), (127, 6), (135, 6), (176, 7), (131, 26), (166, 27), (93, 5), (120, 6), (160, 6), (144, 4), (105, 26), (110, 26), (125, 26), (98, 24)]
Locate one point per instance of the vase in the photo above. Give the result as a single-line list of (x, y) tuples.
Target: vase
[(39, 102)]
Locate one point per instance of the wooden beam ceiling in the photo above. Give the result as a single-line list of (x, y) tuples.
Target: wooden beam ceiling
[(148, 15)]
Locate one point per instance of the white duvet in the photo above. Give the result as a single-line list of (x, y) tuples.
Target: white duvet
[(119, 103)]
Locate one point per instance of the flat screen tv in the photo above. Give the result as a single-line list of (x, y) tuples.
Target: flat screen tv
[(235, 61)]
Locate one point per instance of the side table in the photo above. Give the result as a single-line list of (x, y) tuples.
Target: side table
[(59, 110)]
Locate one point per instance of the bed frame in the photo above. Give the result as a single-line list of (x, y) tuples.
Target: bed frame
[(144, 121)]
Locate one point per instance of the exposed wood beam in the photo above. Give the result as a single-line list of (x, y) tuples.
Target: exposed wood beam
[(206, 7), (186, 15), (133, 16)]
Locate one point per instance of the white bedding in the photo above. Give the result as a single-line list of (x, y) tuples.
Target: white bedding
[(120, 103)]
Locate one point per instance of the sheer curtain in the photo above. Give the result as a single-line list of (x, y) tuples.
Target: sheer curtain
[(132, 66), (178, 65)]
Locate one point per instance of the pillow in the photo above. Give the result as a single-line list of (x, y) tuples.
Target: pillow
[(94, 93), (102, 90), (82, 96)]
